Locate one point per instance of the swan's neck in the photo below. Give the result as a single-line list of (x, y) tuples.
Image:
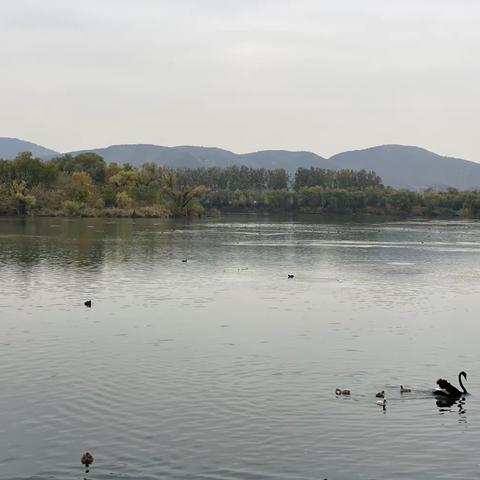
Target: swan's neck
[(461, 383)]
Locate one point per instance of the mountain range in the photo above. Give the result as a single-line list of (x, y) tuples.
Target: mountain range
[(398, 165)]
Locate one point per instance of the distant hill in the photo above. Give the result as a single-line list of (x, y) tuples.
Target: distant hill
[(399, 166), (11, 147), (412, 167), (195, 157)]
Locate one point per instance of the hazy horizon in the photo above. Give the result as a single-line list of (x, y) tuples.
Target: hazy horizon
[(318, 75)]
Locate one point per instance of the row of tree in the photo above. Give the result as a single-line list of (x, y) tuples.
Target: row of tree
[(86, 185)]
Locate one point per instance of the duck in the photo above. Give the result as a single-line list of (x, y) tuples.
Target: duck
[(338, 391), (380, 394), (405, 389), (88, 304), (184, 260), (290, 275), (345, 392), (87, 459), (382, 403)]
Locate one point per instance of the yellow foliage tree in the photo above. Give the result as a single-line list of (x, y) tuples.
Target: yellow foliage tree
[(82, 187), (123, 200)]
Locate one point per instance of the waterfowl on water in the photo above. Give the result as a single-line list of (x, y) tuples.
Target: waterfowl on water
[(184, 260), (446, 389), (291, 275), (380, 394), (382, 403), (87, 459), (88, 303), (405, 389), (338, 391), (345, 392)]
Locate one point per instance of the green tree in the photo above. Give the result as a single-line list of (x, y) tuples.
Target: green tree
[(182, 198), (24, 201)]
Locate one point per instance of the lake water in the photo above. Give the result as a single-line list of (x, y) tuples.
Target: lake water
[(221, 367)]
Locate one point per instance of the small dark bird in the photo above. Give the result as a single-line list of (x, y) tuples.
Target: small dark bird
[(291, 276), (88, 303), (87, 459), (380, 394), (184, 260)]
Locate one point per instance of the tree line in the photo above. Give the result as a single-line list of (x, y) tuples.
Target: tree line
[(86, 185)]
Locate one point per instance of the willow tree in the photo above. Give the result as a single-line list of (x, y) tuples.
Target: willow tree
[(22, 197), (183, 198)]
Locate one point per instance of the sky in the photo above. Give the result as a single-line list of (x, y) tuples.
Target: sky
[(246, 75)]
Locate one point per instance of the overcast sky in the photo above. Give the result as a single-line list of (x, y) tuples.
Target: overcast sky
[(319, 75)]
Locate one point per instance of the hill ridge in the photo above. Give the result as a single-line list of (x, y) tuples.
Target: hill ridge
[(400, 166)]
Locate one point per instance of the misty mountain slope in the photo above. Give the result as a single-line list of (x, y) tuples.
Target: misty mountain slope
[(194, 157), (11, 147), (139, 154), (284, 159), (398, 166), (411, 167)]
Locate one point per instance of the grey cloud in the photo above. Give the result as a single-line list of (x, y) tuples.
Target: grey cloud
[(325, 75)]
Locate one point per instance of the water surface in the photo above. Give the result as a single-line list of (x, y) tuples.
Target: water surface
[(221, 367)]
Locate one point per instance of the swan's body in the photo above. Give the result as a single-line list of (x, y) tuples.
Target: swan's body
[(380, 394), (446, 389), (405, 389)]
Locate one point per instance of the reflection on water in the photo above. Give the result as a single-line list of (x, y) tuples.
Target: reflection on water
[(223, 368)]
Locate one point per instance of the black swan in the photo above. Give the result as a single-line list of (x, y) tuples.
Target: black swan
[(446, 389)]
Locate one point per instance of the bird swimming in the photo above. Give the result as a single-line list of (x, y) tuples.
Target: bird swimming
[(87, 460), (88, 303), (339, 391), (446, 389), (405, 389), (291, 275), (380, 394), (184, 260), (345, 392), (382, 403)]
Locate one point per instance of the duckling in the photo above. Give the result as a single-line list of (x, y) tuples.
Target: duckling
[(382, 403), (405, 389), (380, 394), (88, 304), (338, 391), (87, 459), (291, 275), (345, 392)]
